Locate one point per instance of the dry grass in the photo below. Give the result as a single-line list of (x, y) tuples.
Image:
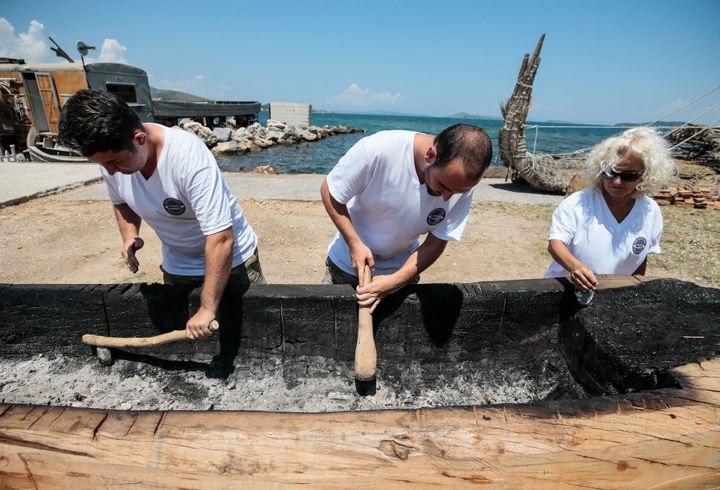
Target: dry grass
[(690, 246)]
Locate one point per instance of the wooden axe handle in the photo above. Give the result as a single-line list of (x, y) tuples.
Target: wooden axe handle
[(165, 338), (365, 351)]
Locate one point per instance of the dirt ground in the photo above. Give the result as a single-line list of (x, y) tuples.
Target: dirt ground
[(57, 241)]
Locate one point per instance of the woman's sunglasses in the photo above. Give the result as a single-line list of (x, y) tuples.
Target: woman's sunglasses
[(624, 176)]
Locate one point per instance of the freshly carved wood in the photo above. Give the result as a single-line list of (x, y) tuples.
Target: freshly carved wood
[(365, 350), (667, 438), (155, 340)]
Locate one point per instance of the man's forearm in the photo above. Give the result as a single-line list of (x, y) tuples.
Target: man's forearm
[(128, 221), (422, 258), (339, 215), (218, 262)]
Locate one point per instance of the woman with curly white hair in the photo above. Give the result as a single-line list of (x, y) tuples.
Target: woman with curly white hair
[(611, 227)]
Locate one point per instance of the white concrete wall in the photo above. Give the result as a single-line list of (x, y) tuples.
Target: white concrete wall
[(291, 113)]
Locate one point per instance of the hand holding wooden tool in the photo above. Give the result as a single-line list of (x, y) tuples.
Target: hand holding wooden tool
[(165, 338), (365, 351)]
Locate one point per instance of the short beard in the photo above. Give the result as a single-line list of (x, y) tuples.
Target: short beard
[(427, 179)]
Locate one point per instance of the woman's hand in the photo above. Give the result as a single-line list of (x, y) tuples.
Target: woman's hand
[(583, 278)]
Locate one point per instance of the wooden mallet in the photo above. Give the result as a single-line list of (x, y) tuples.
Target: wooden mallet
[(365, 351), (104, 343)]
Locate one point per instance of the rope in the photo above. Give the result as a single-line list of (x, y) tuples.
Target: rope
[(685, 106), (672, 129), (695, 135), (691, 120), (551, 126)]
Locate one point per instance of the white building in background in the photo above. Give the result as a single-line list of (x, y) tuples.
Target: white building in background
[(290, 113)]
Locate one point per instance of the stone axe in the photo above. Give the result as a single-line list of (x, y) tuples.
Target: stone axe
[(365, 351), (103, 344)]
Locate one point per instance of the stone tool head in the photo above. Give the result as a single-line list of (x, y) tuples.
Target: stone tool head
[(104, 356)]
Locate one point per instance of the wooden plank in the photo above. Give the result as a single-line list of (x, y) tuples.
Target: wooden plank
[(146, 423), (79, 422), (616, 281), (117, 423), (14, 472), (657, 438), (49, 99), (21, 416), (67, 83), (47, 418)]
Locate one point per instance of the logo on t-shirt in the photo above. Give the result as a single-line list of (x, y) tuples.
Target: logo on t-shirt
[(174, 206), (639, 245), (435, 216)]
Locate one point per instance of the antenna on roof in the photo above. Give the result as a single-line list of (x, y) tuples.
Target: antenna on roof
[(60, 51), (83, 49)]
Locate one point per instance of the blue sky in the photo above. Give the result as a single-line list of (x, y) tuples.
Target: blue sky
[(603, 61)]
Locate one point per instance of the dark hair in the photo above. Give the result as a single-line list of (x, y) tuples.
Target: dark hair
[(469, 143), (93, 121)]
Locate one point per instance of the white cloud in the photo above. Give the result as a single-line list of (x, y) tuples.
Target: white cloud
[(33, 47), (112, 52), (357, 97), (30, 45)]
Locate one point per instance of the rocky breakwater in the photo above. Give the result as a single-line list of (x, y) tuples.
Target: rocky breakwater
[(257, 137)]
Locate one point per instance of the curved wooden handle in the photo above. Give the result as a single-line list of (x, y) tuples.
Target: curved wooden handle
[(165, 338), (365, 351)]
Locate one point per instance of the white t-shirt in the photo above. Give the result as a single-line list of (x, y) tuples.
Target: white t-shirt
[(184, 200), (388, 205), (585, 224)]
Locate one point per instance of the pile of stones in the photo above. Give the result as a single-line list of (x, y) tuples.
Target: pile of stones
[(256, 137)]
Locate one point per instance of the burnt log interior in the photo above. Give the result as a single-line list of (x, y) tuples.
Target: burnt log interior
[(632, 337), (506, 334)]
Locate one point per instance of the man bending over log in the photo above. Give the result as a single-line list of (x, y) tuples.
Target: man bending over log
[(392, 187), (167, 177)]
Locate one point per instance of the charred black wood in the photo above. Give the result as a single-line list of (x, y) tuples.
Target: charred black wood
[(628, 339)]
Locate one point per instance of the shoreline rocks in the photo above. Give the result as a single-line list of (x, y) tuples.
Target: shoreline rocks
[(228, 141)]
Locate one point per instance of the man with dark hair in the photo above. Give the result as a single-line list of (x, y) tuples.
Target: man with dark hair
[(392, 187), (167, 177)]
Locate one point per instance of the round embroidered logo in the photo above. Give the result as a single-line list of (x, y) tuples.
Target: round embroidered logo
[(435, 216), (639, 245), (174, 206)]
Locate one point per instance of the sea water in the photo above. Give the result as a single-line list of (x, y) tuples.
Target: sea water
[(321, 156)]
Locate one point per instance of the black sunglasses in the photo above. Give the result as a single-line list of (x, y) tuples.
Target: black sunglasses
[(624, 176)]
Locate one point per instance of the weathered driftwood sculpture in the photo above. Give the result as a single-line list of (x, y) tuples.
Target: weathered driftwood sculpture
[(550, 173)]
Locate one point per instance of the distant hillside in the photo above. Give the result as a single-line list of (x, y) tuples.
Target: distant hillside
[(376, 112), (465, 115), (176, 95), (659, 123)]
